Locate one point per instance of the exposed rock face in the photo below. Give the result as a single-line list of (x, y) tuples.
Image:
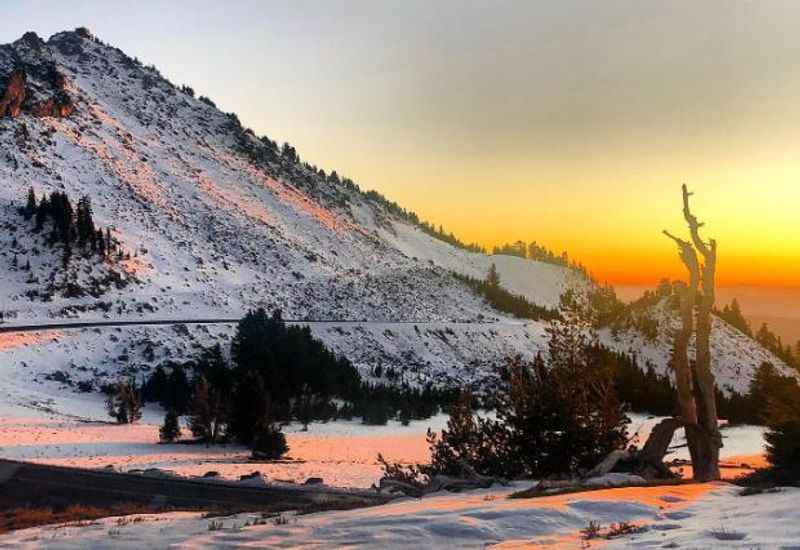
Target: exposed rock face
[(14, 94), (59, 106), (31, 81)]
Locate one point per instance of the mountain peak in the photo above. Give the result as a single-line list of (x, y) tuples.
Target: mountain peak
[(31, 40)]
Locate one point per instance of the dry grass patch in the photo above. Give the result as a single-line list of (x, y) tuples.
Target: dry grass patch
[(77, 515)]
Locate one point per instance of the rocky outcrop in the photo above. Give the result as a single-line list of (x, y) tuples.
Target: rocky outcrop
[(13, 94), (59, 106), (31, 80)]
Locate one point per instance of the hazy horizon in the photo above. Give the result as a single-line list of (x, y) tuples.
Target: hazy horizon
[(778, 307), (572, 127)]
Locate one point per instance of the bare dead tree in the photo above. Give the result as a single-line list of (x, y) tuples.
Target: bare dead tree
[(695, 381)]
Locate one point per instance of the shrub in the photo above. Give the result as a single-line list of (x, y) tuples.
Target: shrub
[(270, 443), (124, 403)]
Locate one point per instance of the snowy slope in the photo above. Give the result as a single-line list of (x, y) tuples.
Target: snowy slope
[(218, 221), (735, 357)]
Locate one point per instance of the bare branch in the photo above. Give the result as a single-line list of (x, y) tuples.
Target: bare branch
[(688, 257), (694, 228)]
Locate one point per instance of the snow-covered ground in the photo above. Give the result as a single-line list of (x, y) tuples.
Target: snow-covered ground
[(342, 453), (690, 516)]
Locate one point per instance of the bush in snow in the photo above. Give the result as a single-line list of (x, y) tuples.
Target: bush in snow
[(270, 443), (124, 403)]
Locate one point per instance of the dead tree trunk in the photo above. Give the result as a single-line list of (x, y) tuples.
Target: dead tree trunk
[(696, 387), (710, 440)]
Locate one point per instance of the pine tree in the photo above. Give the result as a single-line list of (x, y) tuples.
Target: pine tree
[(270, 443), (101, 243), (42, 211), (30, 206), (251, 409), (559, 418), (109, 242), (84, 222), (206, 419), (493, 277), (124, 403), (783, 450), (170, 431)]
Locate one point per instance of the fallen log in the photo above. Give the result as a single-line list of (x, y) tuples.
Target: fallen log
[(471, 480)]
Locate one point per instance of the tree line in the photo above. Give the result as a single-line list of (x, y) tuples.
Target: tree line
[(505, 301), (539, 253), (273, 374), (732, 314)]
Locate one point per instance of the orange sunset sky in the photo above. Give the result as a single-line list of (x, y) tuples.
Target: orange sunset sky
[(569, 123)]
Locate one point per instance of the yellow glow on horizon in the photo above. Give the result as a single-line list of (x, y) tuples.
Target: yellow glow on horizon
[(614, 227)]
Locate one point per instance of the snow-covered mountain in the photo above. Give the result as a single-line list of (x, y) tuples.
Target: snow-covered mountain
[(214, 220)]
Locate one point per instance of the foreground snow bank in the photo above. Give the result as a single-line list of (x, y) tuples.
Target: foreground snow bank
[(471, 520), (688, 516), (726, 520)]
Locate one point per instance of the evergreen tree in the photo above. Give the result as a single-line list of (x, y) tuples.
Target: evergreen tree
[(732, 314), (251, 410), (505, 301), (30, 205), (782, 394), (109, 241), (42, 212), (170, 431), (178, 392), (124, 403), (85, 223), (493, 277), (783, 450), (206, 420), (269, 443), (101, 243)]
